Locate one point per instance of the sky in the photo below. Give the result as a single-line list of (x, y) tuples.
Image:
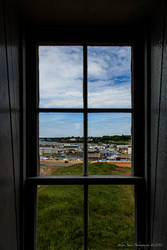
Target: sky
[(68, 124), (61, 86)]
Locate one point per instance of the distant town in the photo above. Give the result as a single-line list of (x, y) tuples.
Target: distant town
[(105, 148)]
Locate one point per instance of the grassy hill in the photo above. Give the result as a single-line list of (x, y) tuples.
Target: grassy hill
[(60, 213)]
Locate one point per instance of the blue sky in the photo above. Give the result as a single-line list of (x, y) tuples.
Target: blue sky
[(61, 86), (68, 124)]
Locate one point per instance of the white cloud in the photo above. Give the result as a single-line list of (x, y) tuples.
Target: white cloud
[(113, 96), (111, 61), (61, 73), (60, 76)]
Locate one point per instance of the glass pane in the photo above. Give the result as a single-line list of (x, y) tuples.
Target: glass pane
[(59, 217), (109, 144), (61, 143), (109, 77), (61, 76), (111, 217)]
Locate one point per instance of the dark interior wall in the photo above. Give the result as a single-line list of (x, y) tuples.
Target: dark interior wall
[(158, 91), (9, 129), (10, 86)]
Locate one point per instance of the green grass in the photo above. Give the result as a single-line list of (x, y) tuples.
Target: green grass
[(99, 168), (60, 213)]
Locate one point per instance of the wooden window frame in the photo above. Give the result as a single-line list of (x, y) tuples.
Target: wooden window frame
[(85, 37)]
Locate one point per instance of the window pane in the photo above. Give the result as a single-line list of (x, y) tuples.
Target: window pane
[(61, 143), (59, 217), (61, 76), (111, 217), (109, 77), (109, 144)]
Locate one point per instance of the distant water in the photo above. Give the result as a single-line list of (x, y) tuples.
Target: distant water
[(56, 143), (50, 142)]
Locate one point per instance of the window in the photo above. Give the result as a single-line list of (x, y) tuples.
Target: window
[(83, 191)]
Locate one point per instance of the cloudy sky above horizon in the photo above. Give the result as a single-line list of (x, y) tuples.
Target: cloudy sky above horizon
[(61, 86)]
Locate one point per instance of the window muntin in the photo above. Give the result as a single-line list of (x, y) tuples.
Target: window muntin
[(99, 180), (105, 68), (60, 216)]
